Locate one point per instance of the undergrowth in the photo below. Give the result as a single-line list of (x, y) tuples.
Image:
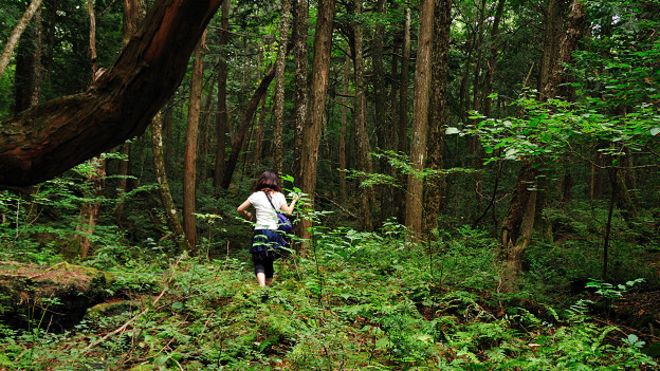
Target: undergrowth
[(358, 300)]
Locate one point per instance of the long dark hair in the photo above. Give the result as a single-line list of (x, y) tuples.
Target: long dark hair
[(267, 180)]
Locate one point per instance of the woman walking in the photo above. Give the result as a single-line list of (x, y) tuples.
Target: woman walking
[(267, 200)]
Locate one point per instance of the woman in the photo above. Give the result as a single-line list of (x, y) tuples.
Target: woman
[(266, 199)]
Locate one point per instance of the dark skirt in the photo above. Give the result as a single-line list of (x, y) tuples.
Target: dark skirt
[(268, 244)]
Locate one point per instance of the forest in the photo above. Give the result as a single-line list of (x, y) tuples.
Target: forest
[(476, 184)]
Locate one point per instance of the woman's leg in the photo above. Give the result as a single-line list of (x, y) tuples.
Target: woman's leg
[(260, 269), (269, 271), (261, 279)]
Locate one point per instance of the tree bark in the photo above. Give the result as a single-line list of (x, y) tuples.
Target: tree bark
[(518, 225), (317, 102), (414, 196), (403, 86), (342, 138), (492, 62), (300, 30), (46, 140), (16, 35), (190, 161), (278, 146), (133, 16), (259, 136), (244, 125), (439, 111), (553, 26), (164, 187), (359, 116), (89, 212), (222, 115)]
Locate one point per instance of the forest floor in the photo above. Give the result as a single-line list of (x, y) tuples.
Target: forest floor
[(358, 300)]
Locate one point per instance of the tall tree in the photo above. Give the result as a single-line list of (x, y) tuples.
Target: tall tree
[(317, 101), (278, 145), (68, 130), (244, 125), (403, 85), (359, 114), (171, 213), (222, 115), (414, 195), (190, 161), (518, 224), (492, 61), (342, 135), (134, 12), (300, 33), (439, 111)]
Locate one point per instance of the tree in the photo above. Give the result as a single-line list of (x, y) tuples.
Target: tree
[(190, 161), (439, 111), (222, 115), (300, 30), (359, 115), (317, 101), (278, 146), (414, 195), (48, 139)]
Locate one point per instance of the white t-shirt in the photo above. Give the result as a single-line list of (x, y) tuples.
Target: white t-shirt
[(266, 216)]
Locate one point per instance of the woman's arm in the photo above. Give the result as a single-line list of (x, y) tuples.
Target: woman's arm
[(243, 210), (289, 208)]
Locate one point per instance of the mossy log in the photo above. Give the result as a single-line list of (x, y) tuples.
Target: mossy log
[(55, 298)]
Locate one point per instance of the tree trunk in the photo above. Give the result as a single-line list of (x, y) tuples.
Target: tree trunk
[(38, 58), (190, 161), (414, 196), (492, 62), (317, 102), (342, 138), (222, 115), (359, 116), (164, 187), (403, 86), (46, 140), (439, 112), (259, 136), (518, 225), (243, 127), (278, 146), (553, 26), (16, 35), (89, 212), (403, 107), (300, 30), (134, 12)]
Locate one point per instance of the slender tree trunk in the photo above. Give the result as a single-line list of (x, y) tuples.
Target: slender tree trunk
[(24, 73), (259, 136), (317, 102), (38, 58), (439, 111), (342, 137), (300, 30), (414, 196), (164, 187), (190, 161), (278, 145), (492, 62), (379, 80), (244, 125), (89, 212), (134, 12), (359, 116), (222, 116), (403, 107), (403, 86), (16, 35), (553, 26)]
